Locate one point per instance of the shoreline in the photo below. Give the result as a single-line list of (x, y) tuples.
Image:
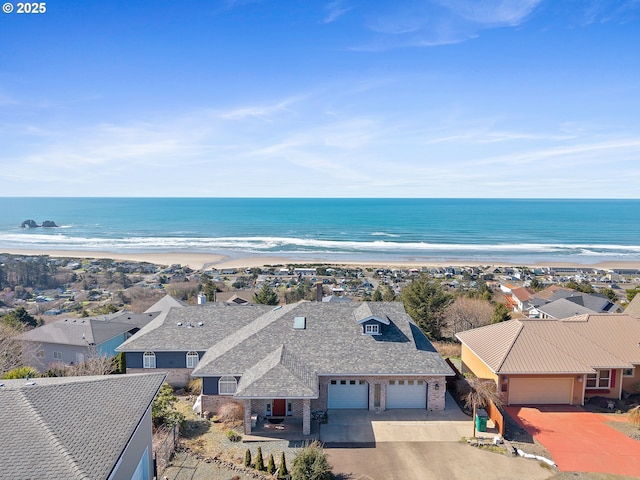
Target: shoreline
[(204, 261)]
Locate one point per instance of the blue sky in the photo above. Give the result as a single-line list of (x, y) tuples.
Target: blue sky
[(342, 98)]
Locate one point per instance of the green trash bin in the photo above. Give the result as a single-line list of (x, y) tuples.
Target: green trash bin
[(481, 420)]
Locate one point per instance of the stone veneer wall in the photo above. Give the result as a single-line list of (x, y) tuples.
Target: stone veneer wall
[(435, 398), (176, 377)]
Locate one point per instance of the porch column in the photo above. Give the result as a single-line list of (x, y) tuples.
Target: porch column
[(247, 417), (306, 416)]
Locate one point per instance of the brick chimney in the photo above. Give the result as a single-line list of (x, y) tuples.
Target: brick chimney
[(319, 292)]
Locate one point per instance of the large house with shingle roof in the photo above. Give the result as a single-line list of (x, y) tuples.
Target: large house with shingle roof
[(556, 361), (292, 359), (78, 427)]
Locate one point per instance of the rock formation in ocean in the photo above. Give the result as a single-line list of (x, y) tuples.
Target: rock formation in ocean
[(29, 224), (49, 224)]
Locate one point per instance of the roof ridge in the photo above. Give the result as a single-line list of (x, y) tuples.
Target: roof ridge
[(54, 440), (236, 338), (513, 342)]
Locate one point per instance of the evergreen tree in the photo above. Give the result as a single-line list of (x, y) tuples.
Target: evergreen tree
[(266, 296), (247, 458), (19, 318), (282, 470), (425, 301), (259, 460), (377, 295), (388, 295), (311, 464), (271, 466), (500, 313)]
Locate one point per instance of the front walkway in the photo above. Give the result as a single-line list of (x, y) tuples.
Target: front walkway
[(287, 428), (580, 441), (402, 425)]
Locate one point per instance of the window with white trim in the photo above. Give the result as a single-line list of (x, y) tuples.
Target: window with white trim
[(372, 329), (149, 360), (627, 372), (192, 359), (227, 385), (600, 379), (57, 355)]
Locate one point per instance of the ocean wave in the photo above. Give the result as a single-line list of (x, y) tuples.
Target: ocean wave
[(60, 241), (384, 234)]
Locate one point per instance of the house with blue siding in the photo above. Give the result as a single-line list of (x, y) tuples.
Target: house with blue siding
[(287, 361), (72, 340)]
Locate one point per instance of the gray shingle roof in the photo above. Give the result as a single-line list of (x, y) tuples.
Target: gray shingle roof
[(279, 374), (218, 322), (332, 343), (70, 427), (89, 330)]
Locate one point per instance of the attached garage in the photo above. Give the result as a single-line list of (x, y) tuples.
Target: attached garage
[(348, 394), (406, 394), (540, 390)]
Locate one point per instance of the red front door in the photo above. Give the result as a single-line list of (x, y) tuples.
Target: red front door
[(279, 408)]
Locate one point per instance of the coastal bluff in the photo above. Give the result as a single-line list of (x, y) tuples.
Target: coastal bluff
[(32, 224)]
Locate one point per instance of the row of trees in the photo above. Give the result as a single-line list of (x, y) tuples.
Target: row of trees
[(310, 463)]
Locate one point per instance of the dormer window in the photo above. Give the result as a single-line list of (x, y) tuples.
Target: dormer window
[(372, 329)]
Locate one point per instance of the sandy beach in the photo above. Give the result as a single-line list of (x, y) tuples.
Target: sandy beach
[(200, 261)]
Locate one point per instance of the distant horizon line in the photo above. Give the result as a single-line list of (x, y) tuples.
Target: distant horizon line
[(319, 198)]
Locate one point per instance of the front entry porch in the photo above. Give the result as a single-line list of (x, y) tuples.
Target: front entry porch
[(277, 415)]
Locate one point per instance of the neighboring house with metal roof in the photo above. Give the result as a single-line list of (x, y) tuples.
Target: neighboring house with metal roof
[(292, 359), (633, 308), (556, 361), (72, 340), (95, 427)]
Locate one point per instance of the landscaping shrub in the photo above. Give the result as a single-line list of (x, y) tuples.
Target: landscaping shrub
[(233, 436), (259, 460), (271, 466), (231, 412), (21, 372), (311, 463), (195, 386), (283, 472), (247, 458)]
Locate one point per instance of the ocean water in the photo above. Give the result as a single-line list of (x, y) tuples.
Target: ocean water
[(485, 230)]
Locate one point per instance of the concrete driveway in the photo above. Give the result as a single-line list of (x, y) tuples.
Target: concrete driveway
[(408, 444), (404, 425), (430, 461)]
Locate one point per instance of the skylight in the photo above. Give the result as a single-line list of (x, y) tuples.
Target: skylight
[(300, 323)]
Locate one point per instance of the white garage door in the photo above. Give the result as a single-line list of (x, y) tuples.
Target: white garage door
[(348, 394), (540, 390), (407, 394)]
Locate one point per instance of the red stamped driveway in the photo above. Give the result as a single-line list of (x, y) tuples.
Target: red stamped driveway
[(580, 441)]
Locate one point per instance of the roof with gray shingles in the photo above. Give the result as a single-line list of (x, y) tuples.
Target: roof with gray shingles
[(332, 343), (180, 330), (88, 330), (577, 344), (278, 374), (259, 343), (563, 308), (49, 428)]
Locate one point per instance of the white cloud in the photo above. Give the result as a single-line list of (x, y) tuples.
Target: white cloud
[(334, 11)]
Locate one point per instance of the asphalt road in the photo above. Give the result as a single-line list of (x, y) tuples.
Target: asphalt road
[(430, 461)]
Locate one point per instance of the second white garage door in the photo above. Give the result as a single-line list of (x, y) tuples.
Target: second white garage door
[(348, 394), (540, 390), (407, 394)]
